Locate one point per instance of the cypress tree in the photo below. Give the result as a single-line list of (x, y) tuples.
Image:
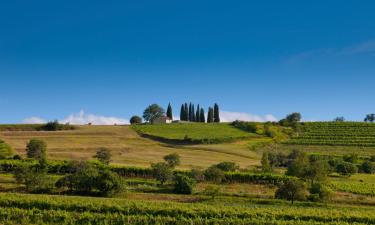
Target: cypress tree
[(202, 117), (193, 113), (186, 115), (216, 113), (210, 116), (182, 113), (197, 115), (169, 111), (189, 114)]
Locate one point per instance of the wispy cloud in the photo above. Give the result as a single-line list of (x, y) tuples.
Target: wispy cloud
[(226, 116), (34, 120), (362, 48), (82, 118)]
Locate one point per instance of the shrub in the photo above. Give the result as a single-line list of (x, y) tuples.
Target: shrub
[(162, 172), (135, 120), (104, 155), (197, 174), (351, 158), (183, 184), (173, 160), (212, 190), (109, 183), (35, 179), (36, 149), (346, 168), (368, 167), (291, 190), (214, 174), (5, 150), (227, 166), (320, 192)]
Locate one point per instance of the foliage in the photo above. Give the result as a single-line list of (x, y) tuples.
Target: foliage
[(216, 113), (210, 115), (135, 120), (227, 166), (153, 112), (368, 167), (370, 118), (339, 119), (266, 166), (320, 192), (36, 149), (352, 158), (299, 163), (169, 112), (6, 150), (173, 160), (214, 174), (291, 190), (103, 155), (35, 179), (197, 174), (183, 184), (162, 172), (346, 168), (202, 116), (212, 190)]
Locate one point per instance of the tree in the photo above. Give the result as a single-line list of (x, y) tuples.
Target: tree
[(202, 117), (346, 168), (339, 119), (352, 158), (227, 166), (53, 126), (192, 113), (182, 112), (291, 190), (216, 113), (214, 174), (35, 179), (291, 119), (183, 184), (135, 120), (197, 114), (103, 155), (36, 149), (370, 118), (210, 116), (169, 112), (6, 150), (153, 112), (317, 171), (298, 164), (320, 192), (212, 191), (162, 172), (368, 167), (186, 112), (172, 160), (266, 166)]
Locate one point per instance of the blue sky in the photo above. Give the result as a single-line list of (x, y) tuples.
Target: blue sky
[(255, 58)]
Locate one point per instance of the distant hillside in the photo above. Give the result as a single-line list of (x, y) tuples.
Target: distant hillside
[(336, 134)]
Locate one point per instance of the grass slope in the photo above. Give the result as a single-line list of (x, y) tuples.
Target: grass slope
[(194, 132), (129, 148)]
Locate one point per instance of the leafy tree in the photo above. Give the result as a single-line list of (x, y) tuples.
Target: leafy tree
[(169, 112), (291, 119), (202, 117), (153, 112), (214, 174), (227, 166), (216, 113), (298, 164), (320, 192), (346, 168), (317, 171), (339, 119), (197, 174), (6, 150), (197, 114), (210, 116), (135, 120), (103, 155), (266, 166), (36, 149), (212, 191), (53, 126), (35, 179), (291, 190), (109, 183), (370, 118), (162, 172), (368, 167), (173, 160), (183, 184)]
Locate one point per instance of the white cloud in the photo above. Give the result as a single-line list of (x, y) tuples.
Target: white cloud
[(33, 120), (82, 118), (226, 116)]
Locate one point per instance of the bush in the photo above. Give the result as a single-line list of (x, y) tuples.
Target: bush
[(183, 184), (212, 190), (368, 167), (319, 192), (36, 149), (346, 168), (135, 120), (291, 190), (104, 155), (197, 174), (351, 158), (214, 174), (5, 150), (173, 160), (35, 179), (227, 166), (162, 172)]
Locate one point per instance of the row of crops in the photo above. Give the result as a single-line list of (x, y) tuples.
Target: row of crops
[(335, 134), (43, 209)]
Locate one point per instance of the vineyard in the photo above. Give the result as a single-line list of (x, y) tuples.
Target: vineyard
[(336, 134), (36, 209)]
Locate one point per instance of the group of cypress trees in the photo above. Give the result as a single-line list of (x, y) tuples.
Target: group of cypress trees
[(188, 113)]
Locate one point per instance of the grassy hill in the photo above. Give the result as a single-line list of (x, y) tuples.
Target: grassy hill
[(129, 148), (336, 133)]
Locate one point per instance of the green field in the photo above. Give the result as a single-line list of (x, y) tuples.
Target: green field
[(356, 134), (194, 132)]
